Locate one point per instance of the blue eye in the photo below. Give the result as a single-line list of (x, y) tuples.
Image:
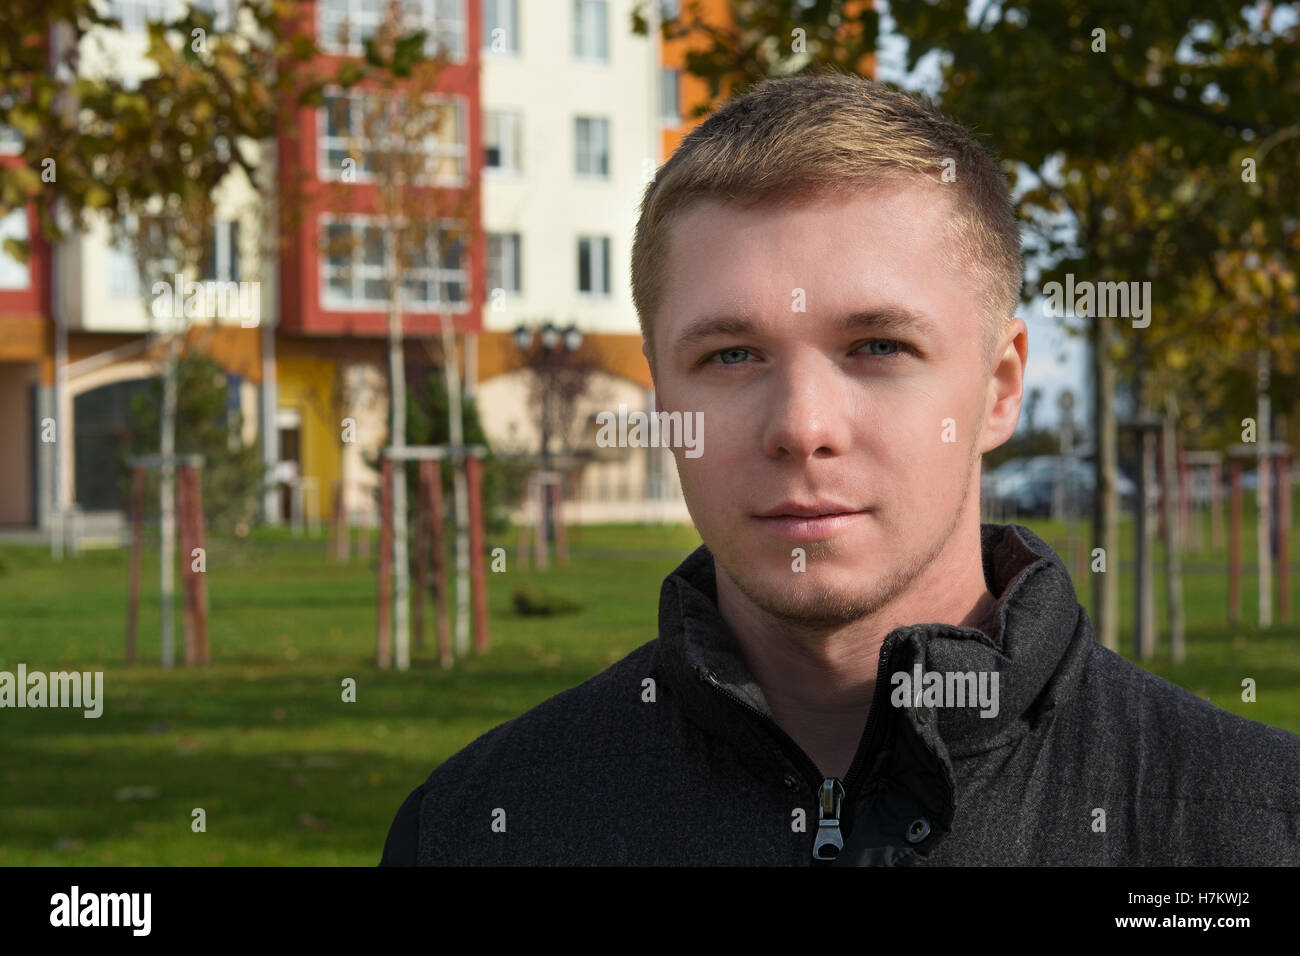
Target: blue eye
[(892, 349), (874, 342)]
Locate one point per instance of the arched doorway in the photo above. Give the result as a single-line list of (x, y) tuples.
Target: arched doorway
[(103, 422)]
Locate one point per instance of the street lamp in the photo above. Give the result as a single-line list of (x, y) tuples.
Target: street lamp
[(556, 344)]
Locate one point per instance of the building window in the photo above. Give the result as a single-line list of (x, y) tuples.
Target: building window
[(343, 26), (501, 26), (591, 31), (501, 140), (121, 275), (593, 265), (220, 261), (13, 274), (591, 137), (345, 119), (669, 101), (354, 266), (341, 123), (121, 260), (11, 141), (504, 265)]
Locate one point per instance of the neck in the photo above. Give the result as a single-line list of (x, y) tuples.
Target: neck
[(819, 684)]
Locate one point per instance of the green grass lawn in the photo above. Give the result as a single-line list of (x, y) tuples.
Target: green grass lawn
[(288, 773)]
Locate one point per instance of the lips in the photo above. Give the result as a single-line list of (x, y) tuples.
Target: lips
[(816, 509), (810, 527), (818, 519)]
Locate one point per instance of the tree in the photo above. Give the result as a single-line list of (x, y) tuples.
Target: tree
[(144, 157), (401, 123), (231, 472), (1127, 153)]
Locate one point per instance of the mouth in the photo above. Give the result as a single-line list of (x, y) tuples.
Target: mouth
[(810, 527)]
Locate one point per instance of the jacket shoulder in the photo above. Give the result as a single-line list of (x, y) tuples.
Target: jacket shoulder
[(560, 739), (1207, 774)]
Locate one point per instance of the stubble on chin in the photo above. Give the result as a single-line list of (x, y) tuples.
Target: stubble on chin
[(807, 603)]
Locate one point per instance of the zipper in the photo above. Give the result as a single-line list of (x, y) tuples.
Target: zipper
[(833, 795), (829, 840)]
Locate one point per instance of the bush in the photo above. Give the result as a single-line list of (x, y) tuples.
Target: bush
[(529, 603), (232, 472), (427, 414)]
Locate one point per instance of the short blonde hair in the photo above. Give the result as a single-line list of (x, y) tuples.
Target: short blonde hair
[(794, 138)]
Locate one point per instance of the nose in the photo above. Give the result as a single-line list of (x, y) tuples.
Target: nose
[(806, 409)]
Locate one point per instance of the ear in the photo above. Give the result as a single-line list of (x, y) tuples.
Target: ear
[(1006, 385)]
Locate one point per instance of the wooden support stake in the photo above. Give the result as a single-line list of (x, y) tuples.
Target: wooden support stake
[(363, 537), (521, 544), (421, 551), (383, 640), (1284, 535), (541, 551), (184, 492), (340, 544), (137, 544), (1234, 543), (561, 538), (199, 538), (1216, 506), (478, 577), (441, 614), (1185, 534)]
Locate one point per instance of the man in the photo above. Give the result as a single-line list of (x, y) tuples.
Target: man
[(852, 668)]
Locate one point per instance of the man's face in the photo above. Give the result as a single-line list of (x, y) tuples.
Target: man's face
[(883, 420)]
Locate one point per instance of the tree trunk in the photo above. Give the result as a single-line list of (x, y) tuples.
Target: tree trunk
[(397, 378), (1105, 528), (1172, 500), (459, 491), (1263, 493), (167, 495)]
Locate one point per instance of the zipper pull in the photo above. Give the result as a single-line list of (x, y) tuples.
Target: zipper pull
[(829, 841)]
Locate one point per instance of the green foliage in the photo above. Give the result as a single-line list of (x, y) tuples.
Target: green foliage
[(532, 603), (232, 473), (428, 423), (107, 144)]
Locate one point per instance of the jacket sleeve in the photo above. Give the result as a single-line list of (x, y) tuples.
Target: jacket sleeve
[(403, 843)]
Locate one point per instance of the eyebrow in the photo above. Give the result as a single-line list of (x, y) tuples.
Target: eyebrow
[(889, 320)]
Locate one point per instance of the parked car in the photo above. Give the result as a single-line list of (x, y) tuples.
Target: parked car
[(1027, 486)]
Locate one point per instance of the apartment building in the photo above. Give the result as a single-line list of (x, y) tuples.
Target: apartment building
[(556, 116), (26, 365), (76, 327), (577, 116), (331, 347)]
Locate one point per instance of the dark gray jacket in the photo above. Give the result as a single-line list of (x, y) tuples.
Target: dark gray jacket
[(1089, 760)]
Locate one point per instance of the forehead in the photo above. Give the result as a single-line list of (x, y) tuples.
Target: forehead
[(883, 247)]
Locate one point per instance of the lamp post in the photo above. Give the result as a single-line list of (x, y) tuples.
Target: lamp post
[(556, 345)]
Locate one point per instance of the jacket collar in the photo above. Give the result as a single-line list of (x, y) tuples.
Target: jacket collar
[(1033, 626)]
